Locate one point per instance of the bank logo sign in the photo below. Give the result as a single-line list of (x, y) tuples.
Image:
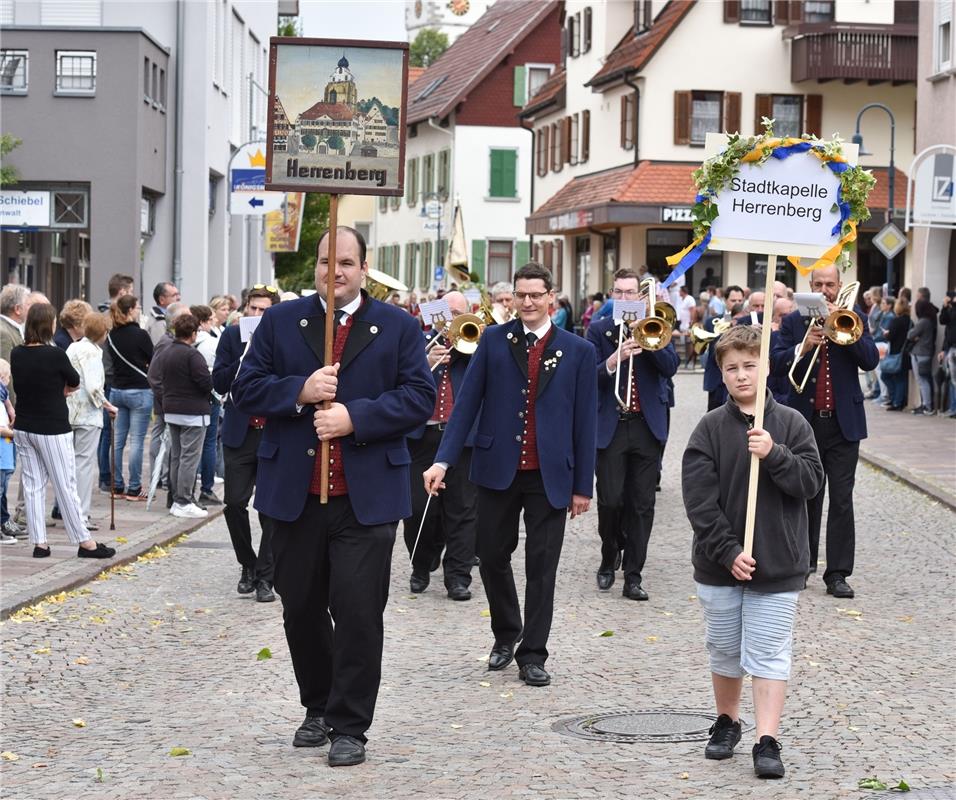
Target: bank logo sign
[(930, 196), (337, 121)]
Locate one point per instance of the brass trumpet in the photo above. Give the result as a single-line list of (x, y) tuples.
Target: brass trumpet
[(841, 327), (702, 338), (380, 285), (655, 330), (462, 335)]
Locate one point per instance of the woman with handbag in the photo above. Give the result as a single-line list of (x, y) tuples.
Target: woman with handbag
[(131, 350), (895, 364), (923, 337)]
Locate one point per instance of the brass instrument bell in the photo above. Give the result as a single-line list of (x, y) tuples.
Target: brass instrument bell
[(464, 333), (380, 285), (841, 327)]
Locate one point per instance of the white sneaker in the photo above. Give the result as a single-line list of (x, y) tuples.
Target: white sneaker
[(188, 511), (4, 539), (218, 480)]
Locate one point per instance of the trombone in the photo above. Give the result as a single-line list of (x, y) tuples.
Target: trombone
[(462, 335), (841, 327), (651, 333)]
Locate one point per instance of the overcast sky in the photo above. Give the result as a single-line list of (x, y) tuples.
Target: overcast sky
[(353, 19)]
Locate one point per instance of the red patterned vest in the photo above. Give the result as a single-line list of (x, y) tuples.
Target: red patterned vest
[(823, 400), (444, 399), (337, 484), (529, 438)]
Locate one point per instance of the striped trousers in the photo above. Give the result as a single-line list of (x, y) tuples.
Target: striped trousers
[(49, 458)]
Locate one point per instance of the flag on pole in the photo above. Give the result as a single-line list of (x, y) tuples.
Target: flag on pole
[(456, 259)]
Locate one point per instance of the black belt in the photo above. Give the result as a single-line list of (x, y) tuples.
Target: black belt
[(438, 426), (626, 415), (825, 414)]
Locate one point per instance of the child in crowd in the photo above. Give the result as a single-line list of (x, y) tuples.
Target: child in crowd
[(748, 602), (8, 455)]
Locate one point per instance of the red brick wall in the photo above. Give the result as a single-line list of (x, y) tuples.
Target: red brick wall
[(492, 101)]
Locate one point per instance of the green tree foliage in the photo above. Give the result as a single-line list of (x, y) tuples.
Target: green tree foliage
[(309, 141), (296, 271), (335, 142), (8, 174), (289, 26), (427, 47), (389, 113)]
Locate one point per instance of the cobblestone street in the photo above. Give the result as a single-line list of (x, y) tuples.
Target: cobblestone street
[(101, 684)]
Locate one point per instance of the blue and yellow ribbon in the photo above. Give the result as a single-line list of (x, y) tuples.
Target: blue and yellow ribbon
[(780, 148)]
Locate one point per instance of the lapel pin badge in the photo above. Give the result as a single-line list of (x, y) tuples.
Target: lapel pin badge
[(374, 329), (559, 354), (303, 323)]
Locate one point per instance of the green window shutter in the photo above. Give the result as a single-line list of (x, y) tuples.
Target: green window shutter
[(478, 258), (519, 95), (510, 173), (495, 183), (522, 253)]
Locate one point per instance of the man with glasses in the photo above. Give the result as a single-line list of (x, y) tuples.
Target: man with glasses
[(531, 388), (241, 435), (630, 441)]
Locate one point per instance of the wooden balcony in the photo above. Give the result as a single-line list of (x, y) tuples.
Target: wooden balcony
[(850, 52)]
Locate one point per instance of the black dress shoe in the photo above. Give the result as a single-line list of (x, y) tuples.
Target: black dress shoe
[(100, 551), (840, 588), (419, 581), (534, 675), (605, 578), (313, 732), (346, 751), (246, 583), (501, 656), (40, 552), (264, 593), (459, 591), (634, 591)]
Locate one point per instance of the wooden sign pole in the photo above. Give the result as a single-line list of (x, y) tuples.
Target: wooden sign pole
[(329, 332), (763, 370)]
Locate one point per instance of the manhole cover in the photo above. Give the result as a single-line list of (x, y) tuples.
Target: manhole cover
[(654, 725)]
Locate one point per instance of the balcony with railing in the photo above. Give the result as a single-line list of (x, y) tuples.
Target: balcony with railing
[(831, 51)]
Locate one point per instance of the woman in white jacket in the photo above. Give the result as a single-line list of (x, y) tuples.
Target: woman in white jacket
[(86, 405)]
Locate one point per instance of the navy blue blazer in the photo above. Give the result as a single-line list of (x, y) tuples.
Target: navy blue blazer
[(845, 363), (494, 392), (383, 382), (457, 367), (652, 368), (235, 424)]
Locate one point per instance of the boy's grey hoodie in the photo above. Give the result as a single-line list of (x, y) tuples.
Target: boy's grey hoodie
[(715, 475)]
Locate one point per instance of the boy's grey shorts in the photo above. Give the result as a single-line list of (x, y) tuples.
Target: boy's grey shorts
[(748, 632)]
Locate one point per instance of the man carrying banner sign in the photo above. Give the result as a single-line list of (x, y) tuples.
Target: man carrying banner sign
[(759, 195), (349, 370)]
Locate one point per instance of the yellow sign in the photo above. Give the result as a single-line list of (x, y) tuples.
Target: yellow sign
[(284, 225)]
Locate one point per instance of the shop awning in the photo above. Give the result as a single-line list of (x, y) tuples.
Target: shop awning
[(653, 192)]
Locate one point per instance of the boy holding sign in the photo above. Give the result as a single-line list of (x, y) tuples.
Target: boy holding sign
[(749, 603)]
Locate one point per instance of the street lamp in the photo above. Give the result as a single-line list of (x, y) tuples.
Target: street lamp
[(858, 139), (427, 197)]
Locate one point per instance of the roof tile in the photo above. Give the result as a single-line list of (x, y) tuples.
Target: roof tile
[(473, 54)]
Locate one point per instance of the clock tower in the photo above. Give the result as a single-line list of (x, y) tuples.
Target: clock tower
[(451, 17)]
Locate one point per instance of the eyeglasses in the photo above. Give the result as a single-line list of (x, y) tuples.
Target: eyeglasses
[(628, 293), (535, 297), (269, 289)]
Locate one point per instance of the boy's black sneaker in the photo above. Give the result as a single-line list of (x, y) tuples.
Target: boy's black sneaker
[(724, 735), (767, 763)]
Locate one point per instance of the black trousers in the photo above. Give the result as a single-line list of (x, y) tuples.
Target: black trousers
[(452, 515), (330, 568), (498, 513), (627, 473), (238, 483), (839, 467)]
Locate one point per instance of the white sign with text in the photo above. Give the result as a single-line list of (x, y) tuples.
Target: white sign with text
[(24, 209), (784, 206)]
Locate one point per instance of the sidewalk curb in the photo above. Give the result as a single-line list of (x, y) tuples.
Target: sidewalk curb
[(909, 477), (89, 572)]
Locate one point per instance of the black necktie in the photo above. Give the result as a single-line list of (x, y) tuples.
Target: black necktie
[(531, 338), (339, 316)]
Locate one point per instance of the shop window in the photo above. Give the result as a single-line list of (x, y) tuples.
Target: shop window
[(14, 78), (500, 259), (76, 72), (757, 272)]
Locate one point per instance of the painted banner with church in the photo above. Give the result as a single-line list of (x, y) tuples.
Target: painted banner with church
[(337, 121)]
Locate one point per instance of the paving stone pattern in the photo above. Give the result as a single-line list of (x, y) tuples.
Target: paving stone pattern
[(163, 655)]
